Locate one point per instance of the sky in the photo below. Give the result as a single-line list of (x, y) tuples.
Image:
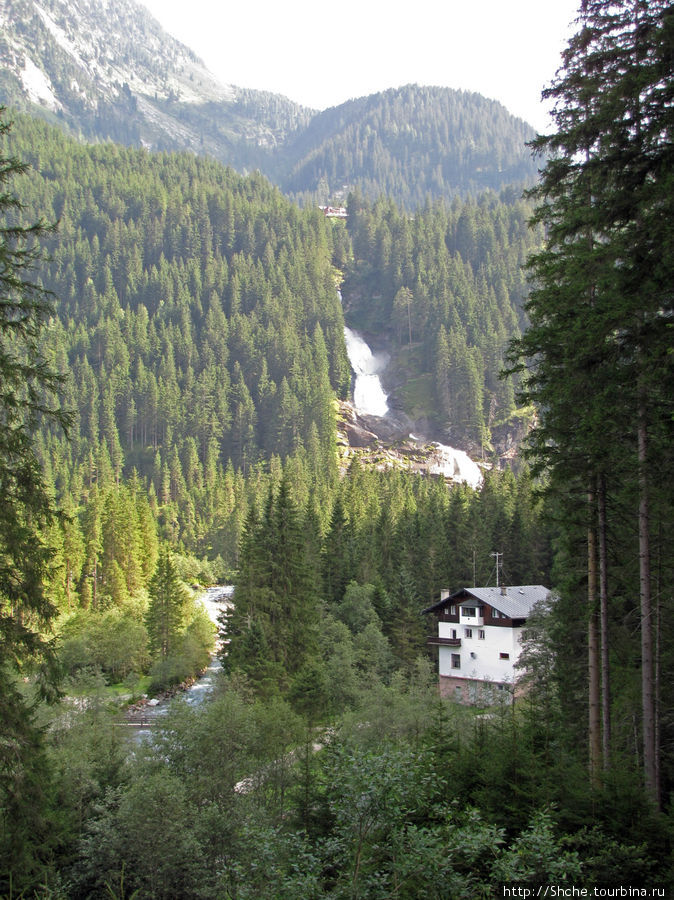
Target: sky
[(322, 54)]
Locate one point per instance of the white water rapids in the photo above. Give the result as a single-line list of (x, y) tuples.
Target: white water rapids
[(370, 399), (455, 463), (214, 600)]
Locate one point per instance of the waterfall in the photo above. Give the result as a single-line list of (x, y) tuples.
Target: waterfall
[(369, 397)]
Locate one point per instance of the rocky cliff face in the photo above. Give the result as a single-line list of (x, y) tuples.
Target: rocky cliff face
[(107, 70), (90, 50), (380, 443)]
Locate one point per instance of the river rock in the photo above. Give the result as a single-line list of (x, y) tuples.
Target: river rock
[(358, 436)]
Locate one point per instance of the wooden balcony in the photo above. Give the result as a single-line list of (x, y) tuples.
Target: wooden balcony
[(435, 641)]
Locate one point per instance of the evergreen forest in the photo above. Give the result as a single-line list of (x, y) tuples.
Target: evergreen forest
[(173, 374), (410, 144)]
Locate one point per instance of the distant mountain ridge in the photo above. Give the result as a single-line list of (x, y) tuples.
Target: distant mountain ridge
[(106, 70), (410, 143)]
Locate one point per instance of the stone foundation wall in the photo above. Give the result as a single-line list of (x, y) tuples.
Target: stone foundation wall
[(474, 693)]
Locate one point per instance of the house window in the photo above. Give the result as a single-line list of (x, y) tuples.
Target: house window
[(504, 656), (452, 610), (456, 660), (469, 611), (454, 633), (468, 632), (480, 634)]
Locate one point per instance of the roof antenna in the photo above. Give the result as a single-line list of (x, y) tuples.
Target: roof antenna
[(499, 563)]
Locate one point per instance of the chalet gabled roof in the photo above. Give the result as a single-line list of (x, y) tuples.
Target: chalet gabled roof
[(515, 602)]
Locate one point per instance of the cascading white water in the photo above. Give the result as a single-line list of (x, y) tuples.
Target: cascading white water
[(369, 398), (454, 464)]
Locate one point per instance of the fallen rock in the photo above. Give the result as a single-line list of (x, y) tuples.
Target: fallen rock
[(359, 436)]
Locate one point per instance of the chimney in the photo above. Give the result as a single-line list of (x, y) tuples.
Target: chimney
[(504, 590)]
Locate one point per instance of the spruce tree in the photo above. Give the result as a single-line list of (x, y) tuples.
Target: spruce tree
[(272, 628), (166, 612), (597, 363), (28, 397), (337, 565)]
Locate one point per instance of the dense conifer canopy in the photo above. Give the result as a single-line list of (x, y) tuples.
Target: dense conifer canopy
[(197, 330)]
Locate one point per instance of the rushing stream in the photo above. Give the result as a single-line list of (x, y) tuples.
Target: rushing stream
[(214, 600)]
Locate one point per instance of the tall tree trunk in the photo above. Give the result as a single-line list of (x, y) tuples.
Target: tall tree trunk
[(604, 625), (658, 773), (593, 667), (647, 653)]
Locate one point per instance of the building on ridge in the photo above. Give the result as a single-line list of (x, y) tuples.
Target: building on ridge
[(334, 212), (479, 638)]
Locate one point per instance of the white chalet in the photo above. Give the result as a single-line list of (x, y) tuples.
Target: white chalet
[(479, 639)]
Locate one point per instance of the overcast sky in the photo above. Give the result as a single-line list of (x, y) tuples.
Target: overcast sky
[(321, 54)]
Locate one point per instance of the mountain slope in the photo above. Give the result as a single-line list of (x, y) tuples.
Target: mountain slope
[(198, 314), (410, 143), (196, 319), (107, 71)]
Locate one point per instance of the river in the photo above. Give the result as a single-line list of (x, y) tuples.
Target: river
[(214, 600)]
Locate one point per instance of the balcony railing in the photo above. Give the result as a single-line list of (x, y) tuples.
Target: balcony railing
[(434, 640)]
